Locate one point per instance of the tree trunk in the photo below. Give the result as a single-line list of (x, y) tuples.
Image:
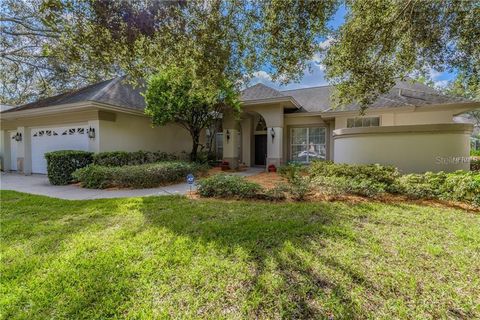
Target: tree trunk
[(195, 143)]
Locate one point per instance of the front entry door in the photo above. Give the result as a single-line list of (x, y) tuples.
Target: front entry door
[(260, 149)]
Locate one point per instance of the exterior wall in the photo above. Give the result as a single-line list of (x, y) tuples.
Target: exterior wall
[(272, 113), (417, 148), (114, 131), (24, 126), (404, 117), (133, 133)]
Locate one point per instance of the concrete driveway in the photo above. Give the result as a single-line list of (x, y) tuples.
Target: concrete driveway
[(38, 184)]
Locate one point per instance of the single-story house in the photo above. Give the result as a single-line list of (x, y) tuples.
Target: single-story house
[(411, 127)]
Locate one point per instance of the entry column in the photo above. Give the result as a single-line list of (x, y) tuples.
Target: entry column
[(274, 146), (231, 139)]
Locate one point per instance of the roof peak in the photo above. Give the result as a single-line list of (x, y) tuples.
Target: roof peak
[(306, 88)]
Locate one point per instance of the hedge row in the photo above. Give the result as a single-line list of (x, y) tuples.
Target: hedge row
[(123, 158), (459, 186), (138, 176), (372, 180), (61, 165)]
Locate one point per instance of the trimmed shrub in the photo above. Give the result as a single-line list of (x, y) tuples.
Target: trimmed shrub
[(459, 186), (228, 186), (61, 165), (475, 164), (422, 185), (276, 193), (123, 158), (299, 188), (343, 185), (386, 175), (139, 176), (292, 169), (299, 184)]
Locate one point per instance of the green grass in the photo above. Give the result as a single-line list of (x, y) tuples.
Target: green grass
[(169, 257)]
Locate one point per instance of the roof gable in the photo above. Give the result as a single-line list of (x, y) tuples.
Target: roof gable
[(114, 91), (259, 92)]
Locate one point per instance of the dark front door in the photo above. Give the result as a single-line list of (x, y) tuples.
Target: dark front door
[(260, 149)]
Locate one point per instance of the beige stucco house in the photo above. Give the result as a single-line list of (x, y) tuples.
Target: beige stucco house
[(411, 127)]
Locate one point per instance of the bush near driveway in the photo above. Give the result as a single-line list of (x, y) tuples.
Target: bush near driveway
[(123, 158), (61, 165), (140, 176)]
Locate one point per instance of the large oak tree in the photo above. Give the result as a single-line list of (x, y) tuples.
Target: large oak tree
[(379, 42)]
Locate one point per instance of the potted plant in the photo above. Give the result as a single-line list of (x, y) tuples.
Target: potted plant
[(225, 166)]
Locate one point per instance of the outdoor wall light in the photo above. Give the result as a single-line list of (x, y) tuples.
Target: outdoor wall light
[(18, 137), (272, 133), (228, 136), (91, 133)]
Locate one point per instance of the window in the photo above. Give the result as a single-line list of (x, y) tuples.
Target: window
[(219, 145), (361, 122), (307, 144), (261, 125)]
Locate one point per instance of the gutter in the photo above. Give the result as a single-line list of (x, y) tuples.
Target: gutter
[(272, 100), (68, 107)]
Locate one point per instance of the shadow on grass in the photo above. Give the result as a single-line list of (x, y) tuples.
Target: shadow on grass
[(264, 230), (116, 257)]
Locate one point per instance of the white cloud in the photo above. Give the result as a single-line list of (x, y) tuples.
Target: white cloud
[(326, 43), (262, 76), (440, 84), (434, 74), (309, 79)]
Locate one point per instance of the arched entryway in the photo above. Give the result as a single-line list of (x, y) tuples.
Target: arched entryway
[(260, 139)]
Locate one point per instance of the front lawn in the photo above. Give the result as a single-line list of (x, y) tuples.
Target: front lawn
[(170, 257)]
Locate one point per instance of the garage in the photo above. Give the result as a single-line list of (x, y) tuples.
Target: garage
[(52, 139)]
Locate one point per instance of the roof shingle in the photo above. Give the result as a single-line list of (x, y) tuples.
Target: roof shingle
[(118, 92), (115, 92), (259, 92)]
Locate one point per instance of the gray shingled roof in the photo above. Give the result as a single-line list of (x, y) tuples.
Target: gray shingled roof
[(403, 94), (259, 92), (114, 92), (317, 99)]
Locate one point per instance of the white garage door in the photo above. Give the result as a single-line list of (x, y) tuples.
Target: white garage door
[(52, 139)]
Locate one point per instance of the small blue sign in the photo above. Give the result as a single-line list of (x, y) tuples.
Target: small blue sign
[(190, 179)]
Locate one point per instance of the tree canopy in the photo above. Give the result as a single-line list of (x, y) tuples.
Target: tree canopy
[(384, 40), (178, 95), (31, 66), (379, 42)]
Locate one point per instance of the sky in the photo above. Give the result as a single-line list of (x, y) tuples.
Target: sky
[(315, 76)]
